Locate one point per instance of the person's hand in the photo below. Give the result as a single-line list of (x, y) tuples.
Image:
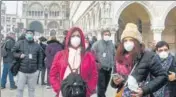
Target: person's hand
[(22, 56), (117, 81), (138, 93), (171, 76)]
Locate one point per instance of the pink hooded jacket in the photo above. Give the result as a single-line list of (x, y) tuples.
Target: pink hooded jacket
[(88, 67)]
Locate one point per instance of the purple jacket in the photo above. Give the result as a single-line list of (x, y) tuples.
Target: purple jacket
[(52, 48)]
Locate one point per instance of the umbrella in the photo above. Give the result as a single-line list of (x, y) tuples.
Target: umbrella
[(42, 39)]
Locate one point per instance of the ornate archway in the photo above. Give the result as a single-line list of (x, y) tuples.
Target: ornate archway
[(37, 26), (169, 33), (138, 14)]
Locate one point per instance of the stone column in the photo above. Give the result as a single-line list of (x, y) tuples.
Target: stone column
[(113, 30), (157, 34)]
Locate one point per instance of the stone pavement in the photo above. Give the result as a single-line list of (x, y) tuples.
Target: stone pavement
[(41, 91)]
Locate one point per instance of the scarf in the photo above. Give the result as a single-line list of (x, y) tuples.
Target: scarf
[(166, 63), (124, 68)]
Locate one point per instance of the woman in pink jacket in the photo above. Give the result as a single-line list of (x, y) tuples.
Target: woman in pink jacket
[(74, 54)]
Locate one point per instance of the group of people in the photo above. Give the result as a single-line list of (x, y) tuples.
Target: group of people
[(131, 69)]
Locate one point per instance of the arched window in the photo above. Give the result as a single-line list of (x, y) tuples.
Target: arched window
[(54, 10), (35, 9)]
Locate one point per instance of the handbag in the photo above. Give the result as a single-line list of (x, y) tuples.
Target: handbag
[(119, 94)]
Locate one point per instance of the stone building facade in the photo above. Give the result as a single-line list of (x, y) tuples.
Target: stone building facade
[(47, 18), (155, 19)]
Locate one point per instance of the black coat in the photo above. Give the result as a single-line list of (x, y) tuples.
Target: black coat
[(28, 65), (172, 85), (10, 42), (148, 64)]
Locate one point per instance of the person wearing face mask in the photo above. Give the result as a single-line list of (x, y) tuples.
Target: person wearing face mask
[(52, 48), (168, 63), (8, 61), (74, 56), (133, 61), (104, 51), (31, 59)]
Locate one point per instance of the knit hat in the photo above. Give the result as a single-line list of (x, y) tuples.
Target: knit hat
[(131, 30)]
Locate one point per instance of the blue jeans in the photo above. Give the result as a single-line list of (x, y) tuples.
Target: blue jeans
[(6, 71)]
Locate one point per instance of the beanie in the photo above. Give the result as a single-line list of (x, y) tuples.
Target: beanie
[(131, 30)]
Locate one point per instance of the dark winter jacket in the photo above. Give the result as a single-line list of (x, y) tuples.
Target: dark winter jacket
[(52, 48), (10, 42), (43, 46), (172, 85), (28, 65), (147, 64), (22, 37), (105, 53)]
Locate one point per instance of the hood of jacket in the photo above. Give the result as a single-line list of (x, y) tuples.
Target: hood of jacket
[(69, 34)]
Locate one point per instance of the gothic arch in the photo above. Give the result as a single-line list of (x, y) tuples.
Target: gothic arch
[(54, 9), (167, 12), (36, 3), (127, 3), (37, 26), (53, 4)]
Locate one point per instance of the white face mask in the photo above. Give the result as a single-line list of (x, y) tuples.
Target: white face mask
[(128, 46), (106, 38), (75, 41), (163, 55)]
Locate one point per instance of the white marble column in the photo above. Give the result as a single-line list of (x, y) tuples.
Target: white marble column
[(113, 32), (157, 34)]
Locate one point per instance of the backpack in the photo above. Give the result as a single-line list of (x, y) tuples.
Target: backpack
[(3, 49), (73, 85)]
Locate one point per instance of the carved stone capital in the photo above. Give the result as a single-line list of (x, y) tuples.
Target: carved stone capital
[(157, 30)]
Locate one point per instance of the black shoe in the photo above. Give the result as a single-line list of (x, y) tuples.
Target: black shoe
[(13, 88)]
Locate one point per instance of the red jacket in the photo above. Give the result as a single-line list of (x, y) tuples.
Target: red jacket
[(88, 67)]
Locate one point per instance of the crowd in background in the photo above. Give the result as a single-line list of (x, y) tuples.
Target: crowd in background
[(132, 69)]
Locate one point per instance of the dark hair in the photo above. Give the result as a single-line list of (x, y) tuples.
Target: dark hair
[(161, 44), (30, 31), (65, 32), (103, 31)]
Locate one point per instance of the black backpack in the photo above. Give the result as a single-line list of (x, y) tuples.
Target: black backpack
[(73, 85)]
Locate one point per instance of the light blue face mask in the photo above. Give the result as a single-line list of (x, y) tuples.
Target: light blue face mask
[(29, 37)]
